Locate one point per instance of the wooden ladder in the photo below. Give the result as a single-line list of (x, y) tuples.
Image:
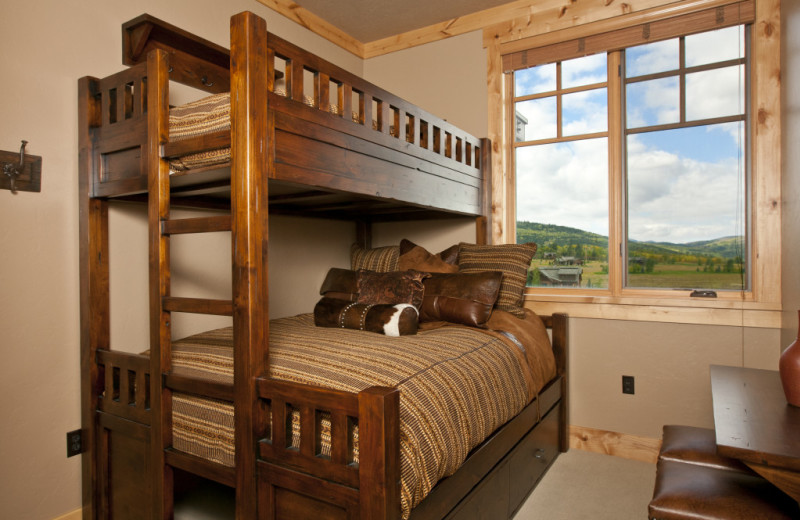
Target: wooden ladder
[(248, 222)]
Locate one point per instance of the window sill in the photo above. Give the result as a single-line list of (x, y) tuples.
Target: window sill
[(699, 311)]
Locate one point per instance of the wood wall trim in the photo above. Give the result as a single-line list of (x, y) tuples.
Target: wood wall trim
[(634, 447), (72, 515), (316, 25), (519, 9), (763, 319)]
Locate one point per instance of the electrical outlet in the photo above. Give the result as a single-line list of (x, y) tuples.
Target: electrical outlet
[(627, 385), (74, 443)]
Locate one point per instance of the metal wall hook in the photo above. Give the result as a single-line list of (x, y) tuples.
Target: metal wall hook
[(13, 171)]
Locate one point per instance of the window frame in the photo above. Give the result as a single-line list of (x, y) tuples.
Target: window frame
[(760, 305)]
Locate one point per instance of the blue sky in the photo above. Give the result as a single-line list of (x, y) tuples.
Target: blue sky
[(684, 185)]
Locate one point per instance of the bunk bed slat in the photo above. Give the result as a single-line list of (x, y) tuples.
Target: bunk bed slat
[(197, 305), (196, 225), (199, 387)]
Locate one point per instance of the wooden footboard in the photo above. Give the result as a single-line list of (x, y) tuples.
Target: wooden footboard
[(320, 476)]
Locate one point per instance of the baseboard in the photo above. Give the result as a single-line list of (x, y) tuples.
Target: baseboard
[(75, 515), (622, 445)]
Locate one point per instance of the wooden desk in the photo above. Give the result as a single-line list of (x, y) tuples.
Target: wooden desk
[(755, 424)]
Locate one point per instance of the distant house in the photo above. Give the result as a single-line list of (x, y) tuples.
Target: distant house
[(560, 276), (519, 127), (569, 260)]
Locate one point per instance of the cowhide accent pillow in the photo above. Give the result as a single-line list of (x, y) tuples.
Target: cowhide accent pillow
[(392, 320)]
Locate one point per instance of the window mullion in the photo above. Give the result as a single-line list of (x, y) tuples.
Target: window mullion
[(616, 179)]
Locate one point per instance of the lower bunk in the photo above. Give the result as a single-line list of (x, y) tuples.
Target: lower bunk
[(336, 453)]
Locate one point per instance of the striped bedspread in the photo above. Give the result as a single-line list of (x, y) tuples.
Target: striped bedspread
[(457, 385)]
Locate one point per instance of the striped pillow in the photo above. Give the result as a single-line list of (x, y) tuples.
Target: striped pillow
[(380, 259), (513, 260)]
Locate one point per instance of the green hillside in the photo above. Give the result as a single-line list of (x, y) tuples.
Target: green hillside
[(568, 241)]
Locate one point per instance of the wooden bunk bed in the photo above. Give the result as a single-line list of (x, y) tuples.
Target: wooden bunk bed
[(292, 155)]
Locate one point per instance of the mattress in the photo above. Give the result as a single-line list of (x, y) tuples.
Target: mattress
[(457, 385), (206, 116)]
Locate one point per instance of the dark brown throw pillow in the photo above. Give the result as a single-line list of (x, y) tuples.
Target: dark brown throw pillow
[(341, 284), (418, 258), (379, 259), (460, 298), (513, 260), (392, 320), (392, 288)]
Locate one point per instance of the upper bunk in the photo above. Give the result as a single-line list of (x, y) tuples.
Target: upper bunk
[(338, 146)]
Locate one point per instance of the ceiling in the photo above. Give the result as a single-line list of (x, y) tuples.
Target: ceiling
[(371, 20)]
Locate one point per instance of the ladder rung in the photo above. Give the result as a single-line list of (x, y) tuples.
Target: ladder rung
[(197, 144), (198, 305), (196, 225), (199, 387)]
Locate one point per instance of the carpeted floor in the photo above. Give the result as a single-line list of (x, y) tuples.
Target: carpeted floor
[(585, 485), (579, 485)]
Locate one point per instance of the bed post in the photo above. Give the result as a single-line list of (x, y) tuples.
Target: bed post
[(560, 342), (250, 156), (483, 223), (379, 447), (160, 330), (94, 289)]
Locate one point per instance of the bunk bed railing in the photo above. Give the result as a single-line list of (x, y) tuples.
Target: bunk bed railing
[(313, 81), (305, 79), (125, 380)]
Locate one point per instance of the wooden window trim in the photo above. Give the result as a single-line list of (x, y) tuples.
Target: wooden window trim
[(760, 307)]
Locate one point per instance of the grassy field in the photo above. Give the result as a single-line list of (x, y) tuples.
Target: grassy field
[(674, 276)]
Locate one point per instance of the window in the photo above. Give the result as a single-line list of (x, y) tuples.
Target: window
[(632, 166)]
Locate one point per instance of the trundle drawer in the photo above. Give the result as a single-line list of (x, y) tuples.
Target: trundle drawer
[(510, 482), (532, 456)]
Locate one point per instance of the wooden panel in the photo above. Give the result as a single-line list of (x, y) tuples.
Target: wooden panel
[(317, 163), (288, 495), (125, 483), (121, 164)]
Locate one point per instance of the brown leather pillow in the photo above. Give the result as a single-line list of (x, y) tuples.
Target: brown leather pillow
[(341, 284), (417, 257), (460, 298), (392, 288), (392, 320)]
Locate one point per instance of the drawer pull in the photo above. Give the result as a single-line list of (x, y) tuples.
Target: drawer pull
[(539, 454)]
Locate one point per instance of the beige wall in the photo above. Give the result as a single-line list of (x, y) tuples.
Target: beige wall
[(47, 45), (790, 75)]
